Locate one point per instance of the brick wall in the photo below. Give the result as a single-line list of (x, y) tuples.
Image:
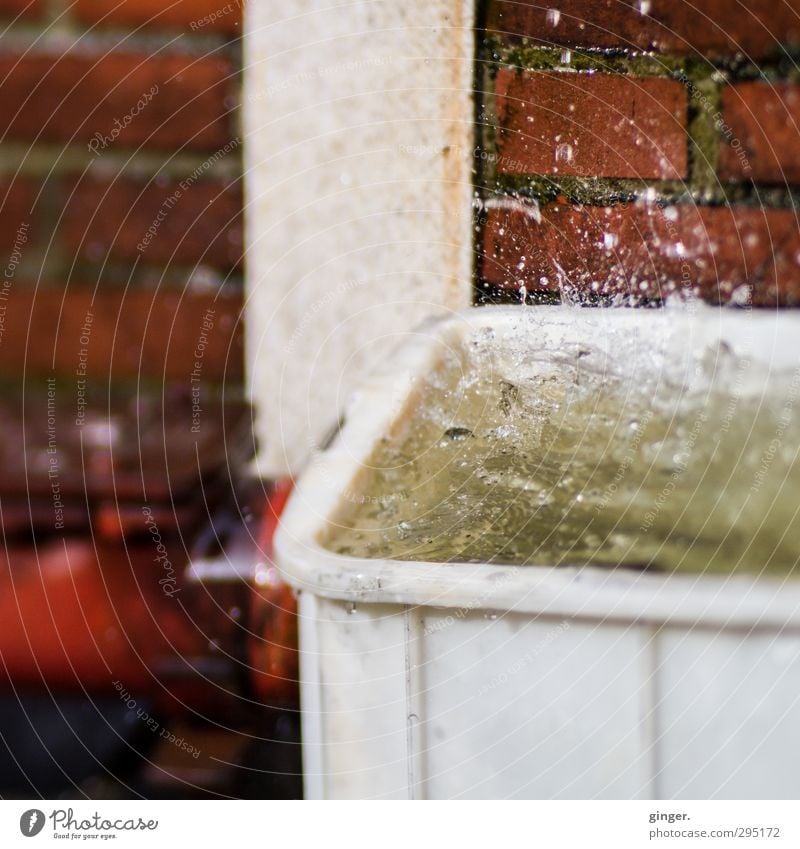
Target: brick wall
[(120, 156), (632, 151), (120, 219)]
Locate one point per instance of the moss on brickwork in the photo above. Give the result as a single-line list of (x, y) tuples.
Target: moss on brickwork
[(593, 190), (704, 135), (528, 58), (738, 158), (703, 81)]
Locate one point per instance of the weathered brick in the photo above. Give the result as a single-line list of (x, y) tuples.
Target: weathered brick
[(16, 225), (591, 125), (198, 222), (761, 132), (643, 250), (119, 99), (704, 26), (150, 451), (189, 15), (131, 334), (26, 8)]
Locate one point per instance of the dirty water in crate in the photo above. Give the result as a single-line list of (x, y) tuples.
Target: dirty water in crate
[(576, 457)]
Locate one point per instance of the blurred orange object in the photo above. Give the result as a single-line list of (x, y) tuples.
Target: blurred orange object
[(272, 648), (80, 616)]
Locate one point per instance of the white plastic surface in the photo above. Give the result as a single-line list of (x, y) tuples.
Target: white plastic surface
[(427, 680)]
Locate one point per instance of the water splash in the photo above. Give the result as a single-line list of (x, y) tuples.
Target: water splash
[(567, 456), (564, 152)]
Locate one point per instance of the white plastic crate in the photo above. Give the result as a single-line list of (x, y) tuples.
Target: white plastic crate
[(442, 680)]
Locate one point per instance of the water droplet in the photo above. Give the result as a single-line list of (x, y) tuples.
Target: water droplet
[(553, 17), (566, 57), (742, 296), (564, 153)]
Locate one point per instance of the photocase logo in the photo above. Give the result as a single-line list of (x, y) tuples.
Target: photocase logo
[(31, 822)]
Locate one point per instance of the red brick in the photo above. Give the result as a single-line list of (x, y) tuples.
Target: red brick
[(26, 8), (761, 130), (591, 124), (190, 15), (154, 453), (138, 333), (16, 199), (644, 251), (72, 97), (201, 223), (704, 26)]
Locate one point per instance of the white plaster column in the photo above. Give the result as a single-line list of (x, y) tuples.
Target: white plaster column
[(359, 133)]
